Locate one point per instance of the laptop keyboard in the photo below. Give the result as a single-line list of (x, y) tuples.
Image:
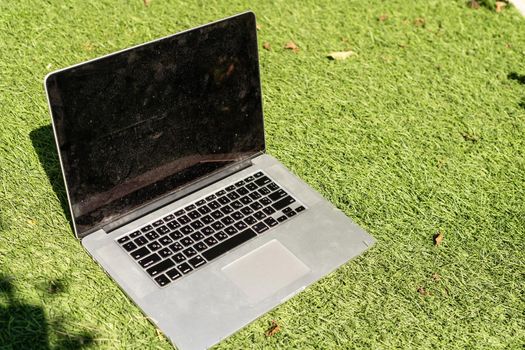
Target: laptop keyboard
[(185, 240)]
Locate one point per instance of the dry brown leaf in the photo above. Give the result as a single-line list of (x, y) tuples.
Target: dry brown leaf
[(340, 55), (500, 5), (438, 238), (267, 46), (258, 26), (274, 329), (473, 4), (436, 277), (419, 22), (147, 2), (382, 18), (422, 291), (291, 46)]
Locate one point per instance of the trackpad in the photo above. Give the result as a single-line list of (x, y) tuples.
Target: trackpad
[(264, 271)]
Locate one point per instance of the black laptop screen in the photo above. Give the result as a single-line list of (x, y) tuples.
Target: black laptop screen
[(137, 125)]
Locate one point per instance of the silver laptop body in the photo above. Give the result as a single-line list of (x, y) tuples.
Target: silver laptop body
[(296, 238)]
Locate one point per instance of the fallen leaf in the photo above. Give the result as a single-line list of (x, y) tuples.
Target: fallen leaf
[(266, 46), (473, 4), (470, 137), (340, 55), (500, 5), (87, 46), (419, 22), (422, 291), (258, 26), (291, 46), (382, 18), (438, 238), (147, 2), (31, 222), (436, 277), (274, 329)]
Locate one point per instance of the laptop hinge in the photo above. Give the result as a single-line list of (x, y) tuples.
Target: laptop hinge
[(180, 193)]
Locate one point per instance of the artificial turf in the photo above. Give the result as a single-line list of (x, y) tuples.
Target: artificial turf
[(421, 131)]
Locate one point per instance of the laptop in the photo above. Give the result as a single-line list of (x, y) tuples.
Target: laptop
[(162, 150)]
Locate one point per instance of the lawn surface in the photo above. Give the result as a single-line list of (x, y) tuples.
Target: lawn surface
[(422, 131)]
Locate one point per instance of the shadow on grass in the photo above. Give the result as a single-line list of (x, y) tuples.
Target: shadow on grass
[(24, 326), (520, 78), (44, 144)]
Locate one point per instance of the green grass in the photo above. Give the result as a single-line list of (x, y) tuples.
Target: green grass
[(423, 130)]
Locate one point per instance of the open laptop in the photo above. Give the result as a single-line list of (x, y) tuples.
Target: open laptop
[(163, 154)]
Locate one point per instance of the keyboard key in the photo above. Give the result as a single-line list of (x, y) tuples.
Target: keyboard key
[(230, 230), (223, 200), (241, 225), (175, 247), (265, 201), (277, 195), (291, 213), (210, 198), (163, 230), (227, 221), (183, 220), (260, 227), (250, 220), (259, 215), (197, 225), (197, 236), (255, 195), (162, 280), (129, 246), (168, 218), (217, 214), (204, 209), (282, 218), (269, 210), (210, 241), (207, 231), (154, 246), (247, 210), (194, 214), (230, 188), (179, 212), (158, 223), (270, 222), (214, 205), (258, 174), (201, 202), (220, 193), (263, 181), (186, 230), (123, 239), (221, 236), (186, 241), (140, 253), (173, 274), (228, 244), (190, 207), (217, 225), (173, 225), (272, 186), (207, 219), (239, 183), (184, 268), (141, 241), (299, 209), (227, 209), (135, 234), (286, 201), (264, 191), (237, 215), (197, 261), (286, 210), (147, 228), (200, 246), (249, 179), (251, 186), (165, 240), (176, 235), (149, 260), (160, 267), (178, 258), (242, 191), (256, 206), (246, 200), (189, 252), (236, 204), (152, 235), (233, 195), (165, 252)]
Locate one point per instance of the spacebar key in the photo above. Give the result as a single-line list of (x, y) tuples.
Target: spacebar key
[(229, 244)]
